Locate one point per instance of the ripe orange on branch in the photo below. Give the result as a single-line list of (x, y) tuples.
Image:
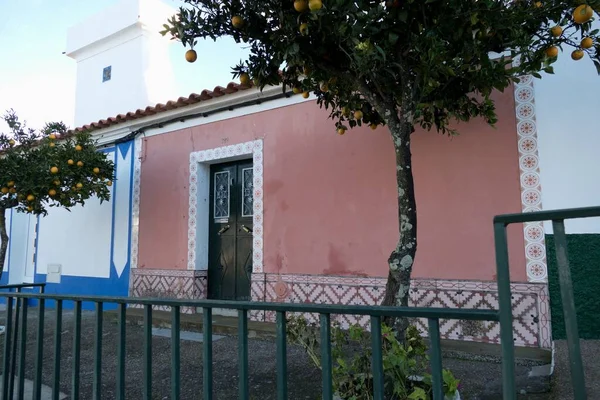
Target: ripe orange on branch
[(577, 55), (237, 22), (301, 5), (315, 5), (244, 78), (587, 43), (556, 31), (552, 51), (583, 14), (191, 56)]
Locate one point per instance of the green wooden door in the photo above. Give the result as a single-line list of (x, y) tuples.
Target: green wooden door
[(230, 231)]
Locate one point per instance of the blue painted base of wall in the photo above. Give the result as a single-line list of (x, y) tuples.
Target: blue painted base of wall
[(74, 285)]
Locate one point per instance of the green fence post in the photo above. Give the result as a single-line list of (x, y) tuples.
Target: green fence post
[(243, 354), (121, 351), (7, 340), (569, 311), (76, 352), (281, 356), (97, 383), (207, 383), (175, 354), (57, 347), (378, 382), (147, 368), (435, 354), (505, 304), (39, 352), (326, 363), (22, 349)]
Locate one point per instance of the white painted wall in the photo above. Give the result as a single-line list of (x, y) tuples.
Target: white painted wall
[(124, 37), (7, 217), (567, 106), (22, 241)]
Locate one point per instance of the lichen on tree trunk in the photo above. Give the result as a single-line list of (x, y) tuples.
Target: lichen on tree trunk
[(3, 239)]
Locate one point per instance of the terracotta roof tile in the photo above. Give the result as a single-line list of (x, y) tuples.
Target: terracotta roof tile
[(193, 98)]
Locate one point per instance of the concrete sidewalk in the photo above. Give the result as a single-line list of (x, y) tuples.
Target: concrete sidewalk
[(28, 390)]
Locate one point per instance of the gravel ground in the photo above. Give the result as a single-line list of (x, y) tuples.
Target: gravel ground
[(561, 385), (481, 378)]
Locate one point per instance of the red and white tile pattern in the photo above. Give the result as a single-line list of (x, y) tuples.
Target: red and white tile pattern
[(254, 148), (170, 284), (530, 303), (135, 207), (531, 190)]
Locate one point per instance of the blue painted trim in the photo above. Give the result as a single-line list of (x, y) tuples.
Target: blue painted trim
[(131, 173), (114, 202), (9, 239)]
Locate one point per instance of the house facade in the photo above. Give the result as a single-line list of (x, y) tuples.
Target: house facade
[(238, 194)]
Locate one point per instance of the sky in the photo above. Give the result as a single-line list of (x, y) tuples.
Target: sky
[(38, 81)]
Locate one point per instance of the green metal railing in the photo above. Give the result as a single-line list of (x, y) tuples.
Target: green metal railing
[(324, 311), (17, 303), (10, 352), (558, 218)]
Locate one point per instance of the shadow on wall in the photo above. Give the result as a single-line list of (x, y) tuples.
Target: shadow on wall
[(584, 258)]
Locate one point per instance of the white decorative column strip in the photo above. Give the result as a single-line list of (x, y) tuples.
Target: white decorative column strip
[(531, 190), (135, 207)]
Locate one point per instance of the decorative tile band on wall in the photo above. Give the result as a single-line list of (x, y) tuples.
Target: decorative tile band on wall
[(135, 203), (530, 303), (171, 284), (531, 190), (254, 148)]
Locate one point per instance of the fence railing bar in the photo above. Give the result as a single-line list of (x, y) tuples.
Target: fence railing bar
[(22, 349), (548, 215), (175, 353), (381, 311), (39, 352), (13, 354), (377, 361), (326, 363), (7, 341), (97, 382), (76, 351), (57, 348), (147, 368), (207, 379), (435, 356), (243, 354), (505, 314), (121, 351), (280, 322), (569, 311)]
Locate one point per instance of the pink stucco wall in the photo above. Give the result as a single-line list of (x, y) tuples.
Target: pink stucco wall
[(330, 201)]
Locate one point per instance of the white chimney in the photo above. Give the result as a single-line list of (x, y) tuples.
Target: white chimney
[(123, 62)]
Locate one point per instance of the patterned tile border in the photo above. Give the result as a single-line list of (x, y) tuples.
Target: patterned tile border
[(254, 148), (171, 284), (531, 190), (135, 204), (530, 303)]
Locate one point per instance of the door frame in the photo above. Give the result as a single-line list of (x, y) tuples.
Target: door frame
[(199, 201)]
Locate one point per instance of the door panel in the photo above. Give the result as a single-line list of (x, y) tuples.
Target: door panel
[(230, 231)]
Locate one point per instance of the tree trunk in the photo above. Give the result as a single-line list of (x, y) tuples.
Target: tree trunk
[(402, 258), (3, 239)]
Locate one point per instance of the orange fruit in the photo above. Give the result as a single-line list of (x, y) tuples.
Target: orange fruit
[(79, 185), (324, 87), (583, 14), (78, 148), (109, 183), (304, 29), (30, 197), (373, 126), (297, 90), (341, 131), (346, 111), (556, 31), (11, 142), (56, 182), (538, 4), (52, 192), (301, 5), (552, 51), (10, 184), (305, 95), (587, 42), (54, 170), (191, 56), (52, 144), (577, 55), (29, 208), (80, 163), (4, 190), (70, 162), (52, 136), (315, 5), (358, 114), (244, 78), (96, 170), (12, 190), (237, 22)]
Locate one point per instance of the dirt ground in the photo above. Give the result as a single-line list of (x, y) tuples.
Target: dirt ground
[(480, 379)]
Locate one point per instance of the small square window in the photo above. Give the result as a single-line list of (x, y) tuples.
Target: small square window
[(106, 73)]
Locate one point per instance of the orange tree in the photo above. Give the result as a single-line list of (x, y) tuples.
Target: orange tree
[(46, 168), (399, 63)]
